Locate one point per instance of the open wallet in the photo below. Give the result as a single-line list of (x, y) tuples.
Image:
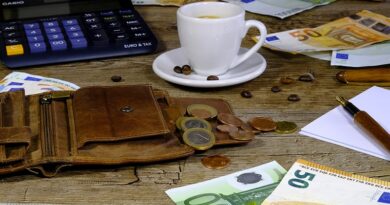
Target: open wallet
[(43, 133)]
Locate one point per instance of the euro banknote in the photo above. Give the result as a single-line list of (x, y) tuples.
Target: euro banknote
[(33, 84), (307, 183), (377, 54), (279, 8), (356, 31), (246, 187)]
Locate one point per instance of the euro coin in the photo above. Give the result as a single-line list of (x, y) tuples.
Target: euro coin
[(193, 122), (263, 124), (285, 127), (215, 161), (199, 138), (178, 122), (227, 128), (202, 111), (229, 119), (242, 135)]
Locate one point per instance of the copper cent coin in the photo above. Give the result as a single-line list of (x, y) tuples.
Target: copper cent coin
[(263, 124), (229, 119), (215, 161), (242, 135), (227, 128)]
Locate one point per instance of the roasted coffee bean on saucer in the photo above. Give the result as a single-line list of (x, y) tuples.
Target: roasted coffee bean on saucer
[(178, 69), (212, 77), (186, 69)]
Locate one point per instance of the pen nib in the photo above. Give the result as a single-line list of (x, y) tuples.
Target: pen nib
[(341, 100)]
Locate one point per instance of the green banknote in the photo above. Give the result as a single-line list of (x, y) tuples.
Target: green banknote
[(246, 187), (307, 183)]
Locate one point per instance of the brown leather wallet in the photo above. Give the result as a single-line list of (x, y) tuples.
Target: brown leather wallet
[(94, 126)]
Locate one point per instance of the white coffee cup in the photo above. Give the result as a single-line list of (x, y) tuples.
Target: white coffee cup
[(210, 34)]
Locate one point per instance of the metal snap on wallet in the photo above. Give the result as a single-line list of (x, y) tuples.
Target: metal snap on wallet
[(37, 32)]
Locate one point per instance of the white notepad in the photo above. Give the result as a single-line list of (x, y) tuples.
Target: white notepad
[(337, 125)]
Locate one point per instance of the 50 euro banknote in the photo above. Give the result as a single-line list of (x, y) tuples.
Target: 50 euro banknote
[(308, 183), (356, 31), (246, 187)]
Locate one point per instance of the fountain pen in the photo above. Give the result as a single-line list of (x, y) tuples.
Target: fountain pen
[(367, 123)]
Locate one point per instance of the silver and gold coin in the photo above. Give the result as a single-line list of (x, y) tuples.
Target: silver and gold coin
[(199, 138), (202, 111), (193, 122), (178, 122), (285, 127)]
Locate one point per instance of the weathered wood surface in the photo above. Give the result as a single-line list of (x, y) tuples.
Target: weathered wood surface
[(146, 184)]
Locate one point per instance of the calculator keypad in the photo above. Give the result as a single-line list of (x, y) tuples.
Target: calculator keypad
[(121, 30)]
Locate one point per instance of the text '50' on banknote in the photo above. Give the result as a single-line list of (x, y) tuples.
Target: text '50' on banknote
[(307, 183)]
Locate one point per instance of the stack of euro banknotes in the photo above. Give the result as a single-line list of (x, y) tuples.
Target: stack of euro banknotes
[(306, 183), (359, 40)]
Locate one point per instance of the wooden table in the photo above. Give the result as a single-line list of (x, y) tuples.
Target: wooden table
[(146, 184)]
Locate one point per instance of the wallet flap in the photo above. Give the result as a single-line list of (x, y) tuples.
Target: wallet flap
[(14, 143), (116, 113)]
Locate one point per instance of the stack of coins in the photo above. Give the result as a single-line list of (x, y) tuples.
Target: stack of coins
[(235, 127)]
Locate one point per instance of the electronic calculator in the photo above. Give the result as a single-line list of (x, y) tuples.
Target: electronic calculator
[(38, 32)]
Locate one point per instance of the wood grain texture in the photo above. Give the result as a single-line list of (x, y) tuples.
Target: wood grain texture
[(145, 184)]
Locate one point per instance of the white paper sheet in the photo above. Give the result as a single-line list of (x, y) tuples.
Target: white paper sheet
[(337, 125)]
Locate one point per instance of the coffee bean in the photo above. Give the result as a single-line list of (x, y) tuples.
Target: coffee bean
[(276, 89), (186, 69), (178, 69), (246, 94), (293, 98), (116, 78), (286, 80), (306, 78), (212, 77)]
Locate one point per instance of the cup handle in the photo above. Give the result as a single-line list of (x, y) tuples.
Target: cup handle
[(263, 33)]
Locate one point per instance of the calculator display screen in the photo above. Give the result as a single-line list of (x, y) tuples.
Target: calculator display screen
[(45, 8)]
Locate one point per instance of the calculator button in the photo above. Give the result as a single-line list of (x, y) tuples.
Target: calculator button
[(94, 26), (135, 28), (91, 20), (56, 36), (33, 39), (58, 45), (13, 50), (10, 28), (119, 38), (33, 32), (128, 17), (38, 47), (70, 22), (117, 30), (140, 35), (99, 37), (13, 41), (106, 13), (125, 11), (109, 19), (78, 43), (53, 30), (50, 24), (89, 15), (113, 25), (77, 34), (13, 34), (29, 26), (72, 28), (132, 23)]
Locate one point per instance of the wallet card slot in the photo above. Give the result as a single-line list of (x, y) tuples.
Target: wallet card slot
[(13, 112), (14, 143), (47, 139)]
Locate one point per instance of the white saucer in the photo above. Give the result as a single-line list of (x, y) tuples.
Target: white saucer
[(163, 66)]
